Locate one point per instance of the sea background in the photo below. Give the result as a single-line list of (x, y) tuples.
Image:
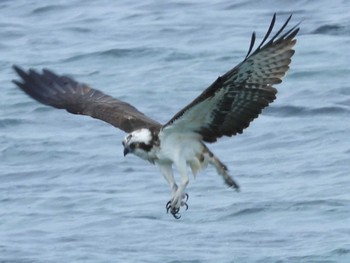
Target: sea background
[(67, 194)]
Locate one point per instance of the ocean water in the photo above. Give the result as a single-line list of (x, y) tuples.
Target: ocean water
[(67, 194)]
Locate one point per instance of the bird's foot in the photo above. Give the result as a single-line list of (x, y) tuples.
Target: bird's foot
[(174, 205)]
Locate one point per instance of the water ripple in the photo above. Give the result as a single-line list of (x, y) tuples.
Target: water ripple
[(68, 195), (300, 111), (116, 53), (9, 122), (48, 8), (332, 30)]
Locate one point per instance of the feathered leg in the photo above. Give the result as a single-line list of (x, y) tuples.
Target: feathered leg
[(167, 171), (177, 193), (180, 197)]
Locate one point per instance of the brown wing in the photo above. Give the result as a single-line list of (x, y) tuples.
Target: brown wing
[(65, 93), (238, 97)]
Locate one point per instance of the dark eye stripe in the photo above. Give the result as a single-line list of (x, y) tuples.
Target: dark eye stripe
[(145, 147), (132, 145)]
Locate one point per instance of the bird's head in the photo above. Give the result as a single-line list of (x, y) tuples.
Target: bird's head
[(139, 142)]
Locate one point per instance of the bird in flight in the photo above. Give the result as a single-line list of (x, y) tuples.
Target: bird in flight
[(225, 108)]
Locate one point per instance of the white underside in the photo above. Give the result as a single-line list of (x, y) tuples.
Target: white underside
[(179, 150)]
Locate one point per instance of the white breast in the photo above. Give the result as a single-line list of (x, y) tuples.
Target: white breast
[(179, 147)]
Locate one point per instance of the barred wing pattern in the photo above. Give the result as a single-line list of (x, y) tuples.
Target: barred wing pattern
[(235, 99), (63, 92)]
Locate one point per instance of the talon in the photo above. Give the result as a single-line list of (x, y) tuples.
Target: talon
[(183, 203), (175, 213), (186, 196), (168, 206), (177, 216), (186, 205), (175, 210)]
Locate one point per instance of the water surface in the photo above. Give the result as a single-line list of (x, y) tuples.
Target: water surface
[(67, 194)]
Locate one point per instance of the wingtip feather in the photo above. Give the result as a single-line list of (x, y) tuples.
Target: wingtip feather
[(252, 42), (19, 71)]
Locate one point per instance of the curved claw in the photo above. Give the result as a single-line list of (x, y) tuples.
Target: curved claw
[(176, 215), (168, 206), (173, 211), (186, 205), (186, 196)]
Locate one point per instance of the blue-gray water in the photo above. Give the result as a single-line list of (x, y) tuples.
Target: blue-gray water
[(67, 194)]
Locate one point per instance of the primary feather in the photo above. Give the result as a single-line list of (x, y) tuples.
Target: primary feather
[(63, 92), (235, 99)]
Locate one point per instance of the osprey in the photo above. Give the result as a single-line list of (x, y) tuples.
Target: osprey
[(225, 108)]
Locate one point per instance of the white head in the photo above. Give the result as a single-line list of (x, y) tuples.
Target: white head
[(139, 142)]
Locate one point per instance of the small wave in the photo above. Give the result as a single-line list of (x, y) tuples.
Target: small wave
[(77, 29), (127, 52), (46, 9), (318, 203), (328, 111), (114, 52), (248, 211), (235, 6), (284, 110), (331, 30), (175, 56), (10, 122), (340, 251), (17, 260), (267, 207), (293, 111)]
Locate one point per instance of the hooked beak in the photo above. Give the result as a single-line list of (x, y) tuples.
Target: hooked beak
[(126, 150)]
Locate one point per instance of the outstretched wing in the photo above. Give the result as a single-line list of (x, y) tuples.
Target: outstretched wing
[(63, 92), (238, 97)]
